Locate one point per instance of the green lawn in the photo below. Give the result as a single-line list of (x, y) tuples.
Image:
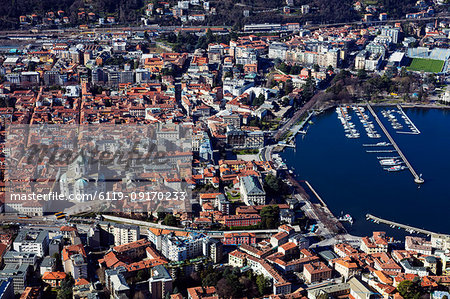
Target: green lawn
[(426, 65)]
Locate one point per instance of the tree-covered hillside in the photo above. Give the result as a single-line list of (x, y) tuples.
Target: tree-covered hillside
[(229, 12)]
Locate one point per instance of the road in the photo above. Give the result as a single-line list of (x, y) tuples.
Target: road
[(309, 105), (266, 152), (207, 232), (439, 16), (104, 29)]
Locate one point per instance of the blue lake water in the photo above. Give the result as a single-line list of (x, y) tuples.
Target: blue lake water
[(350, 180)]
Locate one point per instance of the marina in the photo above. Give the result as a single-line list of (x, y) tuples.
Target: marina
[(408, 121), (390, 115), (345, 118), (417, 178), (347, 175), (368, 125)]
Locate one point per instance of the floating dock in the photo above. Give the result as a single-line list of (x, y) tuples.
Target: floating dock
[(381, 151), (410, 121), (417, 179)]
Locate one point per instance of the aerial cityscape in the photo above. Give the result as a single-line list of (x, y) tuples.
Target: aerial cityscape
[(224, 149)]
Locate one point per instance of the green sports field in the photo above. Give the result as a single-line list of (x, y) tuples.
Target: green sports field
[(426, 65)]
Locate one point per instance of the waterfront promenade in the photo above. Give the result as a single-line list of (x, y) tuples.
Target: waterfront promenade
[(287, 126), (417, 179)]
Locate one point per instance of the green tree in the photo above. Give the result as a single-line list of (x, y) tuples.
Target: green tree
[(161, 215), (288, 87), (308, 89), (65, 290), (362, 74), (262, 284), (225, 288), (167, 72), (259, 100), (283, 67), (170, 220), (295, 69), (209, 36), (272, 182), (410, 289), (270, 216)]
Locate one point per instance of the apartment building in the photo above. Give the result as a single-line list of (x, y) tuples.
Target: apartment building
[(160, 282), (32, 241), (376, 243), (117, 233), (316, 272), (74, 260)]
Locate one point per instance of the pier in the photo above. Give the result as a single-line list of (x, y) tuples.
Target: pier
[(318, 211), (408, 228), (417, 179), (316, 194), (416, 130)]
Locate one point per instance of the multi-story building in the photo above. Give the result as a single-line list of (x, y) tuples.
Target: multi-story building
[(344, 249), (346, 267), (180, 248), (237, 258), (74, 260), (279, 283), (409, 268), (213, 249), (160, 282), (14, 257), (418, 244), (18, 273), (252, 191), (48, 264), (117, 284), (278, 50), (54, 279), (376, 243), (393, 33), (239, 238), (241, 220), (133, 250), (440, 241), (30, 208), (32, 241), (360, 60), (316, 272), (117, 233)]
